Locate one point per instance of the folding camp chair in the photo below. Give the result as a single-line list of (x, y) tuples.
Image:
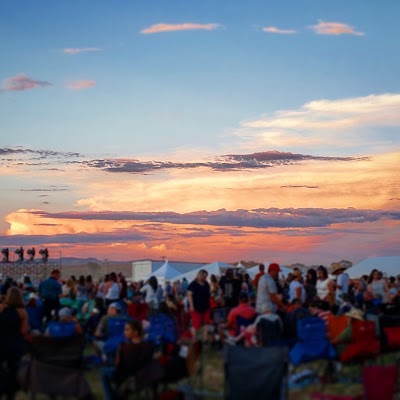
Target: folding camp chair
[(255, 373), (55, 368)]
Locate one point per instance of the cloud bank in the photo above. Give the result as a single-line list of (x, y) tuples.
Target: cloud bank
[(256, 218)]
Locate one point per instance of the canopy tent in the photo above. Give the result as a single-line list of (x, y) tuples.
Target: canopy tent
[(253, 271), (216, 268), (165, 272), (389, 265)]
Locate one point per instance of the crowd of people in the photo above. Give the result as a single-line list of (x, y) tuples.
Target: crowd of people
[(211, 309)]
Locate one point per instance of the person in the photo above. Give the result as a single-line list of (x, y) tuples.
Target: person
[(310, 285), (267, 294), (230, 287), (346, 335), (393, 290), (378, 286), (243, 310), (216, 299), (296, 289), (131, 358), (113, 311), (199, 302), (81, 293), (325, 286), (150, 290), (50, 292), (14, 327), (112, 289), (261, 272), (342, 282), (67, 325)]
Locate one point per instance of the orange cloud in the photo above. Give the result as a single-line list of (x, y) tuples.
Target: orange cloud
[(187, 26), (334, 28), (80, 85), (273, 29)]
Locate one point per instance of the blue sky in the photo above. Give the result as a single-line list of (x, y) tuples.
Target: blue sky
[(143, 89)]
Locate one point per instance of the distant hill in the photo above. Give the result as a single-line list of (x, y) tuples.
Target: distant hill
[(75, 261)]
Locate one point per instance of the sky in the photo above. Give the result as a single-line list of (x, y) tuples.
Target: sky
[(201, 130)]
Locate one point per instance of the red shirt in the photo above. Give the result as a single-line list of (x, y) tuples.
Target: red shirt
[(243, 310)]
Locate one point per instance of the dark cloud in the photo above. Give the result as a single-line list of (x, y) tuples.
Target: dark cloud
[(22, 82), (258, 218), (51, 189), (230, 162), (300, 187), (76, 238)]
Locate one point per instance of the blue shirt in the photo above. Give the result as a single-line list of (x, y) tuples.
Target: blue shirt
[(50, 289)]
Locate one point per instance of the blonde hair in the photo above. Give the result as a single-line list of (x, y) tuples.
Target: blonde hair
[(14, 298)]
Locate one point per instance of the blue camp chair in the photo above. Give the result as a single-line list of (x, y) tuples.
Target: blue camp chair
[(313, 343), (61, 329)]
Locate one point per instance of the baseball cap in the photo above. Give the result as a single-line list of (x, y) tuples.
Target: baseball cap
[(115, 305), (274, 267), (65, 312)]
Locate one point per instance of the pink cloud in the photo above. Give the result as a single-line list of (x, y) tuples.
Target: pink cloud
[(273, 29), (22, 82), (187, 26), (80, 85), (334, 28), (78, 50)]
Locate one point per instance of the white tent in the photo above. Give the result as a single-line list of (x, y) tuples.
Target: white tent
[(253, 271), (388, 265), (165, 272), (216, 268)]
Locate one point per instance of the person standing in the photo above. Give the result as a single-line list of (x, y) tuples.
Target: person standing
[(50, 292), (378, 286), (261, 272), (267, 292), (325, 286), (14, 326), (199, 301), (296, 289), (342, 282)]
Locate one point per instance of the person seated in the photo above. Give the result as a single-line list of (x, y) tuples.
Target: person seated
[(131, 357), (251, 333), (67, 325), (243, 310), (109, 332), (320, 308), (346, 335), (113, 312)]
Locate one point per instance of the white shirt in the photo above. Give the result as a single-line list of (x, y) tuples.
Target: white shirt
[(322, 288), (113, 292), (342, 281), (266, 286), (150, 295), (294, 285)]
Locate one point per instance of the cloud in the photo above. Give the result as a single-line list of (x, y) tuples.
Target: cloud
[(80, 85), (255, 218), (230, 162), (187, 26), (316, 122), (334, 28), (22, 82), (273, 29), (300, 187), (37, 154), (78, 50)]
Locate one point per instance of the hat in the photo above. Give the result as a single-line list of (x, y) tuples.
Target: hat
[(32, 296), (115, 305), (264, 308), (274, 267), (337, 267), (64, 313), (296, 273), (355, 313)]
